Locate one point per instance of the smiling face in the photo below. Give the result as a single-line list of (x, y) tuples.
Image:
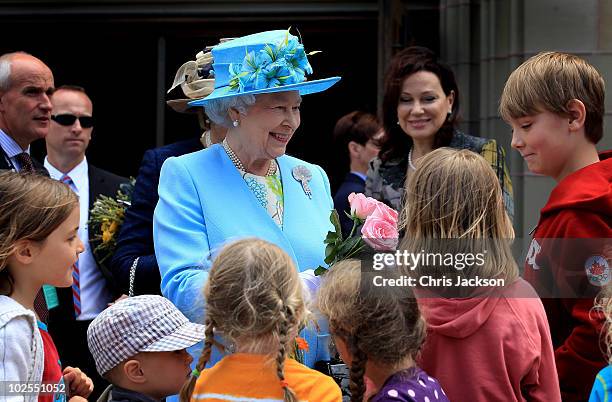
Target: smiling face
[(544, 141), (25, 108), (69, 142), (423, 106), (268, 125), (58, 253)]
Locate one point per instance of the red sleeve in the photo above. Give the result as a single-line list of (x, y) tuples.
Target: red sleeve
[(576, 258)]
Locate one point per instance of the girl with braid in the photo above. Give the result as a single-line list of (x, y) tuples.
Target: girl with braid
[(378, 333), (254, 298)]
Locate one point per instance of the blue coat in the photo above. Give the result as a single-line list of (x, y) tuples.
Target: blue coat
[(204, 203)]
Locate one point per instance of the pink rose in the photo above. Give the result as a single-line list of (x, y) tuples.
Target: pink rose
[(380, 229), (361, 206)]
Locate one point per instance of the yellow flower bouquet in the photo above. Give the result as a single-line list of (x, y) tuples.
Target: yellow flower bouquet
[(105, 220)]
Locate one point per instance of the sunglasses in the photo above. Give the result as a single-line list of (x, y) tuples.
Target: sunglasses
[(69, 119)]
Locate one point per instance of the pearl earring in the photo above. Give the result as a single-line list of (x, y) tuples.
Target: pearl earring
[(397, 123), (235, 123)]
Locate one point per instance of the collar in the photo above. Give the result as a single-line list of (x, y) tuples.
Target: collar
[(360, 175), (79, 174), (10, 147)]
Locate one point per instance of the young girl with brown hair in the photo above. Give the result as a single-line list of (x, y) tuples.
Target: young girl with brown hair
[(378, 333), (254, 298), (39, 218), (484, 343)]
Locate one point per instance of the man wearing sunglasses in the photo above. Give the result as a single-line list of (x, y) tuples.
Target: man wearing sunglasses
[(69, 135)]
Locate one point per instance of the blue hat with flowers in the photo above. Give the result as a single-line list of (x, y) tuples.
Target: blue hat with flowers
[(272, 61)]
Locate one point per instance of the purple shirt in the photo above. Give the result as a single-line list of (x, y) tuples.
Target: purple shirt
[(412, 385)]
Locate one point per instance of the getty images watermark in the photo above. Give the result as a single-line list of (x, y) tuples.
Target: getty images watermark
[(409, 261)]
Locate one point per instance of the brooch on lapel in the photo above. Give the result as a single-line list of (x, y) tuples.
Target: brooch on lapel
[(302, 174)]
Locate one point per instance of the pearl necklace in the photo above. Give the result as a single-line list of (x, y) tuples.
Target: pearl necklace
[(410, 159), (238, 164)]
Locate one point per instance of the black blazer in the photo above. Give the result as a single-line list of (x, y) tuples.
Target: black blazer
[(6, 165), (136, 235), (100, 182), (351, 184)]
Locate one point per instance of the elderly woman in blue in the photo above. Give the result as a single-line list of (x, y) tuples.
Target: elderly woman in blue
[(246, 186)]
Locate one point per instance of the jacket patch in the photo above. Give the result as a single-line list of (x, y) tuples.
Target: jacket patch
[(597, 270)]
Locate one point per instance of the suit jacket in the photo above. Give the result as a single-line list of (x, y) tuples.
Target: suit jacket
[(101, 182), (351, 184), (136, 235), (4, 165), (205, 203)]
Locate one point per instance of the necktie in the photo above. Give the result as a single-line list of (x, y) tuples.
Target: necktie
[(40, 304), (25, 160), (76, 285)]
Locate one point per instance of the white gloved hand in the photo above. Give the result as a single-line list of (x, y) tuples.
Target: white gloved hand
[(311, 284)]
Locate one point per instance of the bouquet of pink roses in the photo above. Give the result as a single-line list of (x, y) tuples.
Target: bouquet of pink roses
[(379, 230)]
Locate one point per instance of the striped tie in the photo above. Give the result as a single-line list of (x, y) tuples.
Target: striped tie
[(76, 284)]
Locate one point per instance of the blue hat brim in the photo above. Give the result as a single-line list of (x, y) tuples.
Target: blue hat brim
[(305, 88)]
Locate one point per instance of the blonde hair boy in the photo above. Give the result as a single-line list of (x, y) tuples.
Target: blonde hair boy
[(555, 105)]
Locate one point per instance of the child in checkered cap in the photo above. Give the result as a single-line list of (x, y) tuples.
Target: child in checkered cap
[(139, 345)]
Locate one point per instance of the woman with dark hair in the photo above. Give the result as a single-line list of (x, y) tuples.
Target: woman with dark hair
[(420, 113)]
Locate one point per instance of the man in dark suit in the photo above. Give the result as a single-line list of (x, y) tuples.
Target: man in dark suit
[(356, 137), (26, 85), (93, 288), (135, 251)]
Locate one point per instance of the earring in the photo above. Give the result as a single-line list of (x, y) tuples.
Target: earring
[(235, 123), (397, 123)]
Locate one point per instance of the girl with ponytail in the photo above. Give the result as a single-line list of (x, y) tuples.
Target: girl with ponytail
[(254, 298)]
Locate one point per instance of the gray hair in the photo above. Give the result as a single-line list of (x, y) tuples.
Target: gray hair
[(6, 61), (217, 109)]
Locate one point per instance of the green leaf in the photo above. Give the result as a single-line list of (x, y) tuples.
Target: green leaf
[(320, 271), (332, 238), (347, 246), (335, 220), (329, 250), (331, 253)]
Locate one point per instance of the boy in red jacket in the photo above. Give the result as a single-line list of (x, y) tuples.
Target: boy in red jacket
[(555, 105)]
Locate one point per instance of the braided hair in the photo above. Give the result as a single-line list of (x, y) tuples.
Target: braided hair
[(381, 325), (187, 390), (254, 297)]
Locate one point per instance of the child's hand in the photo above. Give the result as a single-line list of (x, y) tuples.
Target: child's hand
[(78, 384), (77, 399)]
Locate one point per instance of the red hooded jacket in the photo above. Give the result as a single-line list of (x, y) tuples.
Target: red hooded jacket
[(490, 349), (567, 263)]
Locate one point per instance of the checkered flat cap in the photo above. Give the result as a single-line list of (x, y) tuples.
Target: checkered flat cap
[(146, 323)]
